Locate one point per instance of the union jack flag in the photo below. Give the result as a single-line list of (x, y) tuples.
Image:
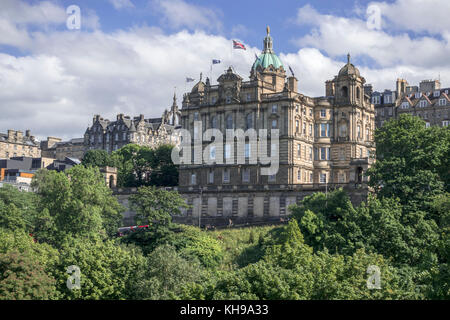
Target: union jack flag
[(238, 45)]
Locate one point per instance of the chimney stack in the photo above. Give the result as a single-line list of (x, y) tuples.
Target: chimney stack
[(293, 84)]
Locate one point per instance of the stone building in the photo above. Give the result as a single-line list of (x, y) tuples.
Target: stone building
[(427, 101), (324, 142), (112, 135), (16, 144), (58, 149)]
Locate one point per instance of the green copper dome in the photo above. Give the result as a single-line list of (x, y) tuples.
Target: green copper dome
[(268, 56), (266, 59)]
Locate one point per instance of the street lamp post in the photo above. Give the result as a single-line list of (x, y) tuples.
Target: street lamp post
[(201, 207)]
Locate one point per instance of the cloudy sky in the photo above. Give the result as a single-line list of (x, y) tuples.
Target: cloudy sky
[(129, 56)]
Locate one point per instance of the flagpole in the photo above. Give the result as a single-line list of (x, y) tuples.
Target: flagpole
[(231, 52)]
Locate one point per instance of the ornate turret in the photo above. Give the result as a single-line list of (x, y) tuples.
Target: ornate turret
[(268, 67), (349, 69), (268, 56)]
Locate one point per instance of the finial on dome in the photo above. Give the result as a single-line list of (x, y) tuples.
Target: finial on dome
[(201, 74), (268, 30), (348, 58)]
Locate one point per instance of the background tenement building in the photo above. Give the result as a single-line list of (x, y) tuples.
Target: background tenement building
[(112, 135), (16, 144), (58, 149), (324, 141), (428, 101)]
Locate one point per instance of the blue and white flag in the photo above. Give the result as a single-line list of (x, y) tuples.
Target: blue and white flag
[(215, 61), (189, 79)]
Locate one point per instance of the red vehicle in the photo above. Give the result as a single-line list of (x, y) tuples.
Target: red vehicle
[(125, 230)]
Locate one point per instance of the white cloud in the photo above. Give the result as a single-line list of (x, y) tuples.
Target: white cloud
[(122, 4), (415, 57), (71, 76), (416, 15), (16, 17), (43, 12), (177, 13), (337, 36)]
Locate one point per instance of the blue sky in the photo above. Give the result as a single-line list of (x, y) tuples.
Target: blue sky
[(129, 55)]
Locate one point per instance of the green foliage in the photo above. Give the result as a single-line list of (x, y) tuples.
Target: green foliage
[(24, 278), (77, 201), (108, 270), (164, 171), (166, 274), (98, 158), (195, 243), (17, 209), (380, 226), (153, 205), (142, 166), (412, 161)]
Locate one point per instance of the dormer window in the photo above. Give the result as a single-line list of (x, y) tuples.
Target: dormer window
[(323, 113), (417, 95), (376, 99), (442, 102), (405, 105), (437, 93), (387, 99), (423, 103)]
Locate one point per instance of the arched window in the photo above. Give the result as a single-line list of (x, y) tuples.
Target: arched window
[(344, 92), (249, 121), (358, 94), (214, 122), (229, 121)]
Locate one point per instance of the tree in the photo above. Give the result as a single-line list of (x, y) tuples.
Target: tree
[(381, 226), (22, 277), (412, 161), (133, 163), (163, 171), (166, 275), (78, 202), (108, 271), (98, 158), (153, 205), (17, 209)]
